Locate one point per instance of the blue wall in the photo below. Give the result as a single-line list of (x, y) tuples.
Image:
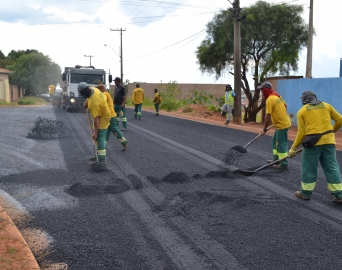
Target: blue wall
[(328, 90)]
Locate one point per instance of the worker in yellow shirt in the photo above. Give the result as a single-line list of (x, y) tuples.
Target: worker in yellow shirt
[(157, 100), (113, 125), (137, 99), (101, 115), (317, 135), (52, 90), (276, 112)]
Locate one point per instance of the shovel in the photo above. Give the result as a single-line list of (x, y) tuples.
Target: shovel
[(249, 173), (242, 149), (96, 166)]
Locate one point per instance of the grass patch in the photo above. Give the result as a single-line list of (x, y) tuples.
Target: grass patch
[(3, 103), (31, 101), (12, 250)]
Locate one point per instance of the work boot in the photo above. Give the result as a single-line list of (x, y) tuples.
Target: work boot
[(279, 167), (92, 159), (92, 163), (227, 122), (337, 200), (300, 195), (123, 129), (125, 146)]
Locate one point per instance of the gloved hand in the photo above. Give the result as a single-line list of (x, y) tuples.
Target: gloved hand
[(292, 153)]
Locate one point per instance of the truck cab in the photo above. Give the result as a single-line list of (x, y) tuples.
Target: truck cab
[(72, 76)]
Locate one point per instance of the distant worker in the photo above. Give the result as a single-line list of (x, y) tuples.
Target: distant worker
[(120, 97), (137, 99), (317, 135), (276, 112), (100, 113), (157, 100), (52, 90), (113, 125), (229, 101)]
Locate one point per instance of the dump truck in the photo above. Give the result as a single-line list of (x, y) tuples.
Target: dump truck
[(72, 76)]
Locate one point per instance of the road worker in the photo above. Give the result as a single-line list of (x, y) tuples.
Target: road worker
[(113, 126), (317, 135), (276, 112), (157, 100), (101, 115), (137, 99)]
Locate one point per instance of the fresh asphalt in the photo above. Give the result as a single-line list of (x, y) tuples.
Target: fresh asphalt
[(167, 202)]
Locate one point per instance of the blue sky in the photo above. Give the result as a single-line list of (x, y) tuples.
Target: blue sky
[(160, 40)]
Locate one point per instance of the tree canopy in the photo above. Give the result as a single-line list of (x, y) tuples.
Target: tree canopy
[(32, 70), (272, 36)]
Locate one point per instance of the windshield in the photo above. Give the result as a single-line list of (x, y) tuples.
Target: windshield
[(88, 78)]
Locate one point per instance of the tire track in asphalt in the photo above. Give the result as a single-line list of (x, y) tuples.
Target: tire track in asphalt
[(169, 240)]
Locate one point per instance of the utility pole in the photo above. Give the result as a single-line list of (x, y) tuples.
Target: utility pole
[(90, 56), (121, 57), (237, 60), (309, 54)]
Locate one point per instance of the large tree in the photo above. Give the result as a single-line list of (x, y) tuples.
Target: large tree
[(33, 71), (272, 36)]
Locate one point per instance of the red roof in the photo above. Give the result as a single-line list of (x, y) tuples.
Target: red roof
[(2, 70)]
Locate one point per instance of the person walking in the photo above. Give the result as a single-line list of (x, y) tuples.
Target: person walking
[(229, 101), (113, 124), (120, 97), (100, 113), (137, 99), (52, 90), (276, 112), (317, 135), (157, 100)]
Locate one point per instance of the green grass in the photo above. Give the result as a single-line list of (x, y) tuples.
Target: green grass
[(2, 103), (31, 101)]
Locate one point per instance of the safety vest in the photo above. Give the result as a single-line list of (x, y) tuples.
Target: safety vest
[(229, 100)]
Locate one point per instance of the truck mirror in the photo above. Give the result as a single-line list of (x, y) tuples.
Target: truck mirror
[(110, 78), (64, 77)]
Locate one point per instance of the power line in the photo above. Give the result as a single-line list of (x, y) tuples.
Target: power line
[(166, 47)]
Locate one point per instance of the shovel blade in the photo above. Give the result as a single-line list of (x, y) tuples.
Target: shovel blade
[(244, 172), (240, 148)]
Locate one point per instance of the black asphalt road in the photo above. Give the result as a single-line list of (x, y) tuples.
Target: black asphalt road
[(167, 202)]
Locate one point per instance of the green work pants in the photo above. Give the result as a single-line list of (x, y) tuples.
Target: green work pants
[(101, 145), (326, 155), (137, 110), (114, 128), (118, 109), (280, 146), (156, 106)]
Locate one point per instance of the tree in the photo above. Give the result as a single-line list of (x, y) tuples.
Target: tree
[(33, 71), (272, 36)]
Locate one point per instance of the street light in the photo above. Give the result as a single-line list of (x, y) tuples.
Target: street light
[(117, 55)]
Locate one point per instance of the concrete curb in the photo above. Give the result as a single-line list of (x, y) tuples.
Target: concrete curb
[(14, 246)]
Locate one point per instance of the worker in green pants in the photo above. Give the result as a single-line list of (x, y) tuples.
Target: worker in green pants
[(317, 135)]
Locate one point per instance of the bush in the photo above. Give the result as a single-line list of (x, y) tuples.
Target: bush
[(169, 96)]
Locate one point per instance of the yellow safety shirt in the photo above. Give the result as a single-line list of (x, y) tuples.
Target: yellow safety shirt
[(97, 106), (276, 107), (138, 96), (314, 119)]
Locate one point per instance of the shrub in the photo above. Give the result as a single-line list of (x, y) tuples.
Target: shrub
[(169, 96), (29, 100)]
